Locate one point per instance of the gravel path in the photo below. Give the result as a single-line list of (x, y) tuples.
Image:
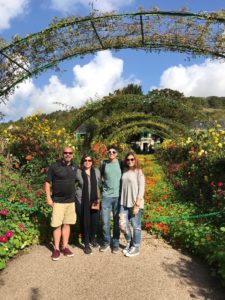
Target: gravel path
[(158, 273)]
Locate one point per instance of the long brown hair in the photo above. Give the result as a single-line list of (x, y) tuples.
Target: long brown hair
[(83, 159), (137, 163)]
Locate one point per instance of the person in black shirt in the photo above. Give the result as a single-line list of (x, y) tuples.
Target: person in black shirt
[(62, 176)]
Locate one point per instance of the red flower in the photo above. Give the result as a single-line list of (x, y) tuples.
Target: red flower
[(29, 202), (16, 166), (37, 148), (9, 234), (4, 212), (165, 228), (3, 239), (148, 225), (30, 188), (159, 226), (28, 157), (22, 199), (220, 184), (27, 148), (38, 193), (22, 227)]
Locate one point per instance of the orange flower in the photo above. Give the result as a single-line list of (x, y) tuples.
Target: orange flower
[(28, 157)]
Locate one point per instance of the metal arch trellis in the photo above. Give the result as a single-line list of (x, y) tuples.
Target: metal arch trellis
[(196, 34)]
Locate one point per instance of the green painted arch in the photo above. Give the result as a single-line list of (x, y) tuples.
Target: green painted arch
[(119, 121), (120, 135), (118, 140), (195, 34)]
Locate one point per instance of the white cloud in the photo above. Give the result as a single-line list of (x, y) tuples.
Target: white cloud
[(11, 9), (101, 5), (206, 79), (102, 75)]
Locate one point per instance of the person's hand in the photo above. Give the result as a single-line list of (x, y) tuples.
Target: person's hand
[(135, 209), (50, 202)]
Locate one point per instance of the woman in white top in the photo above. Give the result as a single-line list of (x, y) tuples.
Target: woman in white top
[(132, 203)]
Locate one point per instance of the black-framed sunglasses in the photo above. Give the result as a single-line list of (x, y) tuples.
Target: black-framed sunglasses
[(70, 153), (130, 159), (88, 160)]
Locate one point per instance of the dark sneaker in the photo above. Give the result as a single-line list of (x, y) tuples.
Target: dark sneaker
[(87, 250), (67, 252), (55, 254), (104, 248), (132, 252), (94, 244), (115, 250), (126, 249)]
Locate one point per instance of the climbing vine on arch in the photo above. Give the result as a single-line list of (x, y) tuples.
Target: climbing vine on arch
[(195, 34)]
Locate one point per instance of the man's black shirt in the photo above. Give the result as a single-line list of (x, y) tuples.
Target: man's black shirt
[(63, 179)]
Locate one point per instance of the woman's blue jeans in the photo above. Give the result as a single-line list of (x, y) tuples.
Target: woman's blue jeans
[(110, 204), (126, 215)]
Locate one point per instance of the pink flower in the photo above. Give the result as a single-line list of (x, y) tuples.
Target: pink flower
[(22, 227), (9, 234), (3, 239), (4, 212), (30, 188), (220, 184)]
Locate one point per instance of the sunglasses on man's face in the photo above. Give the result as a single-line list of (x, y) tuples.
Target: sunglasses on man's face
[(112, 152), (130, 159), (88, 160), (70, 153)]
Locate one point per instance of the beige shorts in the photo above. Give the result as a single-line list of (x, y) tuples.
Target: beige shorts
[(63, 213)]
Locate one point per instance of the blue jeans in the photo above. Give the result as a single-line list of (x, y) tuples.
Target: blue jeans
[(126, 215), (110, 204)]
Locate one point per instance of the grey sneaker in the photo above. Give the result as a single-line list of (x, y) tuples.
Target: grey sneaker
[(94, 243), (126, 249), (87, 250), (104, 248), (132, 252), (115, 250)]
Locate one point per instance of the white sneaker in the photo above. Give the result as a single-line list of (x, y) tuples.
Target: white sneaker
[(133, 251), (126, 249)]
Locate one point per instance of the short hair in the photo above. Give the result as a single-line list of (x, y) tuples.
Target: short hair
[(112, 147), (137, 163)]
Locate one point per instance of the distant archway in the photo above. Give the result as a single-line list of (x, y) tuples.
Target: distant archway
[(195, 34)]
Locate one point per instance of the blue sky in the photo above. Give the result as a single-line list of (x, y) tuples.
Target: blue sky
[(97, 75)]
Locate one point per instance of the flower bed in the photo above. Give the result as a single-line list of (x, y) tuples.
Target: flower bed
[(167, 214)]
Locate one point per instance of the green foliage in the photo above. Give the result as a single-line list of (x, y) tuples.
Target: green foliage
[(131, 89)]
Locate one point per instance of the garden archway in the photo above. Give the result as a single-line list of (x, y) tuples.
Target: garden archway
[(195, 34)]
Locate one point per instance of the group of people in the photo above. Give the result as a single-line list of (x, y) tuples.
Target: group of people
[(84, 192)]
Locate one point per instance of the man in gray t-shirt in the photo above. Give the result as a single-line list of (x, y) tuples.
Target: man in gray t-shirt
[(111, 178)]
